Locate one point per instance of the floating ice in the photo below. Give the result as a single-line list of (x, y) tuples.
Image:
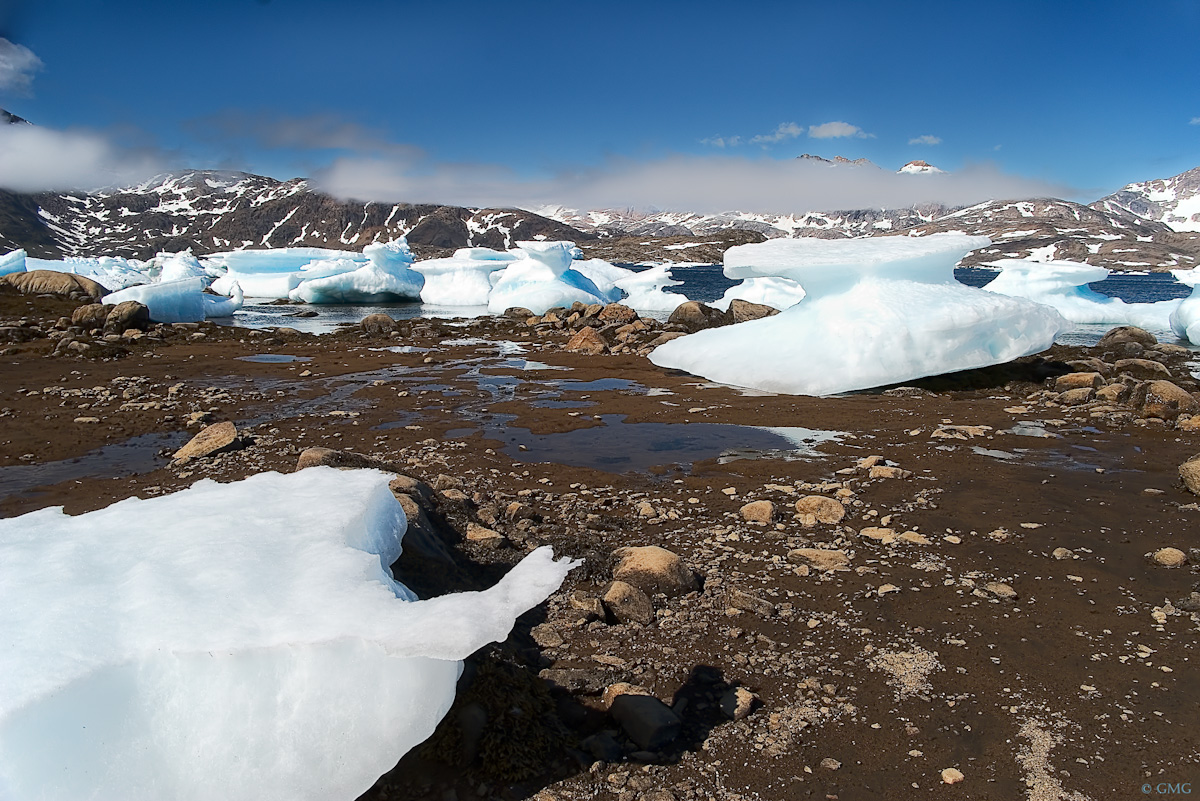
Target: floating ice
[(386, 278), (1064, 285), (111, 272), (645, 290), (182, 301), (604, 275), (878, 311), (542, 279), (778, 293), (464, 279), (12, 262), (1185, 320), (228, 642), (177, 266), (269, 273)]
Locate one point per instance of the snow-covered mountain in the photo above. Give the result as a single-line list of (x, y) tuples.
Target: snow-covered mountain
[(919, 167), (211, 211), (1175, 202)]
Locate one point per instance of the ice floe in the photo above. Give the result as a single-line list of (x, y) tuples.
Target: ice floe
[(387, 277), (645, 290), (1185, 319), (182, 301), (13, 262), (228, 642), (464, 279), (542, 279), (877, 311)]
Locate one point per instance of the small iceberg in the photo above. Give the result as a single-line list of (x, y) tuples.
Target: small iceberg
[(645, 290), (464, 279), (387, 277), (12, 262), (182, 301), (1185, 319), (542, 279)]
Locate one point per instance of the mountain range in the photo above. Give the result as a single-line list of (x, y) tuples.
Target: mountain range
[(1152, 225)]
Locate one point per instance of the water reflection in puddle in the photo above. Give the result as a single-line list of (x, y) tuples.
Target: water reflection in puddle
[(273, 358), (617, 446), (129, 458)]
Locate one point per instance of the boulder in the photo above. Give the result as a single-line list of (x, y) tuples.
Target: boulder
[(209, 440), (378, 324), (484, 536), (1169, 557), (653, 569), (587, 340), (91, 315), (1113, 393), (1077, 396), (628, 604), (1127, 333), (1164, 400), (1189, 471), (51, 282), (125, 316), (1070, 381), (813, 509), (758, 512), (328, 457), (695, 316), (748, 602), (615, 690), (738, 702), (741, 311), (648, 721), (618, 314), (1144, 369)]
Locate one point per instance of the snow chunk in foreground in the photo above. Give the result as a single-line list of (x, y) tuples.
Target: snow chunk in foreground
[(228, 642), (543, 279), (1185, 319), (877, 311), (1064, 285)]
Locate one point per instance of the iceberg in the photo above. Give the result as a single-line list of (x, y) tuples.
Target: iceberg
[(878, 311), (12, 262), (463, 279), (778, 293), (272, 273), (177, 266), (387, 277), (542, 279), (228, 642), (1185, 319), (645, 293), (603, 274), (1064, 285), (182, 301), (111, 272)]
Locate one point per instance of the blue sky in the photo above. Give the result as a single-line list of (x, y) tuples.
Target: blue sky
[(521, 103)]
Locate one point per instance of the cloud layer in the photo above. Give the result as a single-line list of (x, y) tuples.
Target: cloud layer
[(927, 139), (684, 183), (34, 159), (837, 130), (17, 66)]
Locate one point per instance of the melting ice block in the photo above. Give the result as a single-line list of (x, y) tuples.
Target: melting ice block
[(645, 290), (1185, 319), (542, 279), (182, 301), (12, 262), (387, 277), (111, 272), (271, 273), (1064, 285), (778, 293), (227, 642), (878, 311), (464, 279)]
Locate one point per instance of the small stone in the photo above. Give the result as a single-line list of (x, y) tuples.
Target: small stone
[(749, 602), (1063, 553), (546, 636), (820, 558), (649, 722), (588, 341), (1000, 589), (483, 536), (814, 509), (1077, 397), (614, 691), (758, 512), (208, 441), (829, 763), (628, 604), (1169, 557), (1072, 381), (885, 535), (738, 702), (645, 509), (887, 589), (914, 538), (883, 471), (952, 776)]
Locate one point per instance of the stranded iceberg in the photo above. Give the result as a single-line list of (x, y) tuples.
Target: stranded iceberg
[(1185, 319), (877, 311), (227, 642)]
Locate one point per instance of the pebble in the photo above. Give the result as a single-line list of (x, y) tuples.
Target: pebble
[(1169, 557), (952, 776)]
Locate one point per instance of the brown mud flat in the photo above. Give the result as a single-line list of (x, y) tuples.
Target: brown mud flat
[(958, 640)]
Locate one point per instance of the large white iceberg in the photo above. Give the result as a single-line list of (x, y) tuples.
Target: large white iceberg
[(464, 279), (542, 279), (182, 301), (1185, 319), (228, 642), (878, 311), (269, 273), (1064, 285), (386, 277), (13, 262), (778, 293), (645, 290)]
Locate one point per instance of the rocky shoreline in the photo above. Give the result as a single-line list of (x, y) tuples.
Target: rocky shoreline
[(980, 585)]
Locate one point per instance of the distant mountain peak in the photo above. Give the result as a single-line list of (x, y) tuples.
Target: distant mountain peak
[(838, 160), (12, 119), (918, 167), (1174, 201)]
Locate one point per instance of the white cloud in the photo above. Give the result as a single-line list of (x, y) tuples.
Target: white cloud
[(34, 159), (927, 139), (785, 130), (17, 66), (722, 141), (1195, 121), (837, 130), (694, 183)]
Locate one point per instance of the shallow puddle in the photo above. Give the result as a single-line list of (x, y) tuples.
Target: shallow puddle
[(273, 358), (137, 455)]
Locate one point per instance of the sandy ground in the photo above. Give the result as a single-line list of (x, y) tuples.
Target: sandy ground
[(958, 637)]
